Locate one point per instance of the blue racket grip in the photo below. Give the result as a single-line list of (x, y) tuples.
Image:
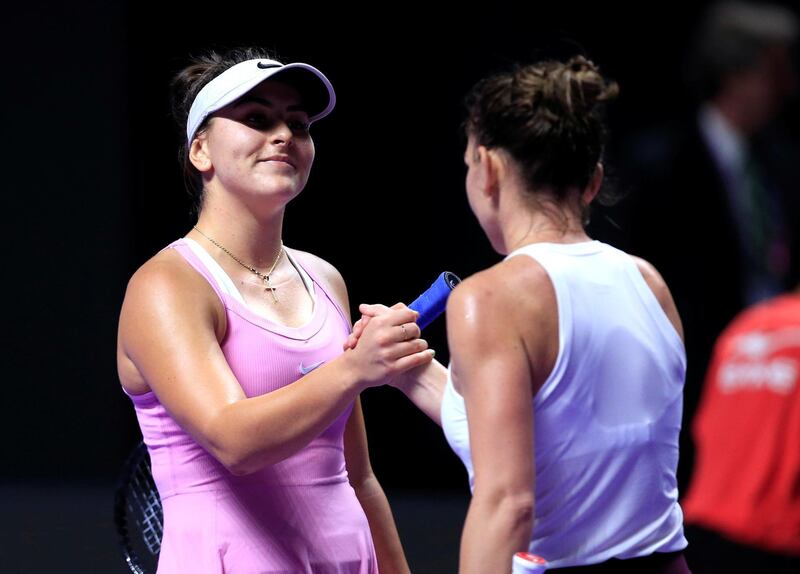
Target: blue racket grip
[(433, 301)]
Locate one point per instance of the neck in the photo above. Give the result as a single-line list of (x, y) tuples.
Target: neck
[(545, 233), (546, 222), (254, 238)]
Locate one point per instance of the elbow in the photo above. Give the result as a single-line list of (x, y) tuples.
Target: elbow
[(238, 458), (241, 457), (519, 509), (237, 466), (242, 448), (225, 444), (365, 486), (234, 459), (514, 510)]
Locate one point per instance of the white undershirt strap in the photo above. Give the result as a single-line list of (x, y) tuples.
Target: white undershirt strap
[(226, 284)]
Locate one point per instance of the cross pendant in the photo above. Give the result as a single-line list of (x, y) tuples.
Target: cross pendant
[(270, 288)]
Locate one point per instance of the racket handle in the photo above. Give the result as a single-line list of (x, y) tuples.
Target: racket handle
[(527, 563), (433, 301)]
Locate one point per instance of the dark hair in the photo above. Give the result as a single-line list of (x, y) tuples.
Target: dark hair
[(732, 38), (549, 117), (184, 89)]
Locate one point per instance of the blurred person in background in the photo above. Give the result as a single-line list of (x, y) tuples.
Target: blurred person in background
[(716, 201), (743, 506)]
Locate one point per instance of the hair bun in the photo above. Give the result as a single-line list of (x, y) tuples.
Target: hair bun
[(579, 87), (549, 116)]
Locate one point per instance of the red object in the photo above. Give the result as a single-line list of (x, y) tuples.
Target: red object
[(747, 432), (531, 558)]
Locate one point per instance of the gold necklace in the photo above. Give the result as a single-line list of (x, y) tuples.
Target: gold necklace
[(263, 276)]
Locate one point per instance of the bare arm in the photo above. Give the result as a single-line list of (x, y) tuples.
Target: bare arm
[(490, 366), (168, 335), (423, 385)]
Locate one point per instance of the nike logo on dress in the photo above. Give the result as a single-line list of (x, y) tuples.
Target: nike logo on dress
[(308, 369)]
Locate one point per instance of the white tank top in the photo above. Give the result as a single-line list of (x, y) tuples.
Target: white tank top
[(606, 420)]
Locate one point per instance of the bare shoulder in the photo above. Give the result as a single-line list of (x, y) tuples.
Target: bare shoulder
[(328, 274), (510, 290), (164, 299), (529, 283), (162, 269), (652, 277), (167, 286), (659, 288), (163, 277), (508, 312)]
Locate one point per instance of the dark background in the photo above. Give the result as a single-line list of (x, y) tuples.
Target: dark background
[(92, 189)]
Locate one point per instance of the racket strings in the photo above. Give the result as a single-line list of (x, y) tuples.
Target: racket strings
[(145, 505), (137, 513)]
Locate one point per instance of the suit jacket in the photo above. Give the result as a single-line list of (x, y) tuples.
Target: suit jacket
[(679, 218)]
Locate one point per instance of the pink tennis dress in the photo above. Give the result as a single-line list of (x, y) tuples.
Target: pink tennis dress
[(299, 515)]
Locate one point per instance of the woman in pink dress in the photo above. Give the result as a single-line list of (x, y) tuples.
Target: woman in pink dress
[(230, 347)]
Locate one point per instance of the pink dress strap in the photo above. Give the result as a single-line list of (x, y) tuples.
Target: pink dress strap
[(302, 260)]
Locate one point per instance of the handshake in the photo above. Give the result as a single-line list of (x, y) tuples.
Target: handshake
[(398, 328)]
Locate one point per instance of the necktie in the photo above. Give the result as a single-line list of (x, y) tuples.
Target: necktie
[(767, 247), (760, 227)]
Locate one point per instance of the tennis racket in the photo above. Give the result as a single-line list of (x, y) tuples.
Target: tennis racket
[(138, 515), (433, 300)]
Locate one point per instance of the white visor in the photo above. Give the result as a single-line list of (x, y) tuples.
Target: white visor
[(315, 89)]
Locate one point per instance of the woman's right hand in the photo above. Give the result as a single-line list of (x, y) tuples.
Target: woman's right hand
[(367, 312), (385, 343)]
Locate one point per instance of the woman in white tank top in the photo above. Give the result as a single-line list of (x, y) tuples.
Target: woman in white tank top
[(564, 392)]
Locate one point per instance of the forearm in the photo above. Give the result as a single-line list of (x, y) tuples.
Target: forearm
[(248, 434), (494, 530), (388, 548), (424, 386)]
